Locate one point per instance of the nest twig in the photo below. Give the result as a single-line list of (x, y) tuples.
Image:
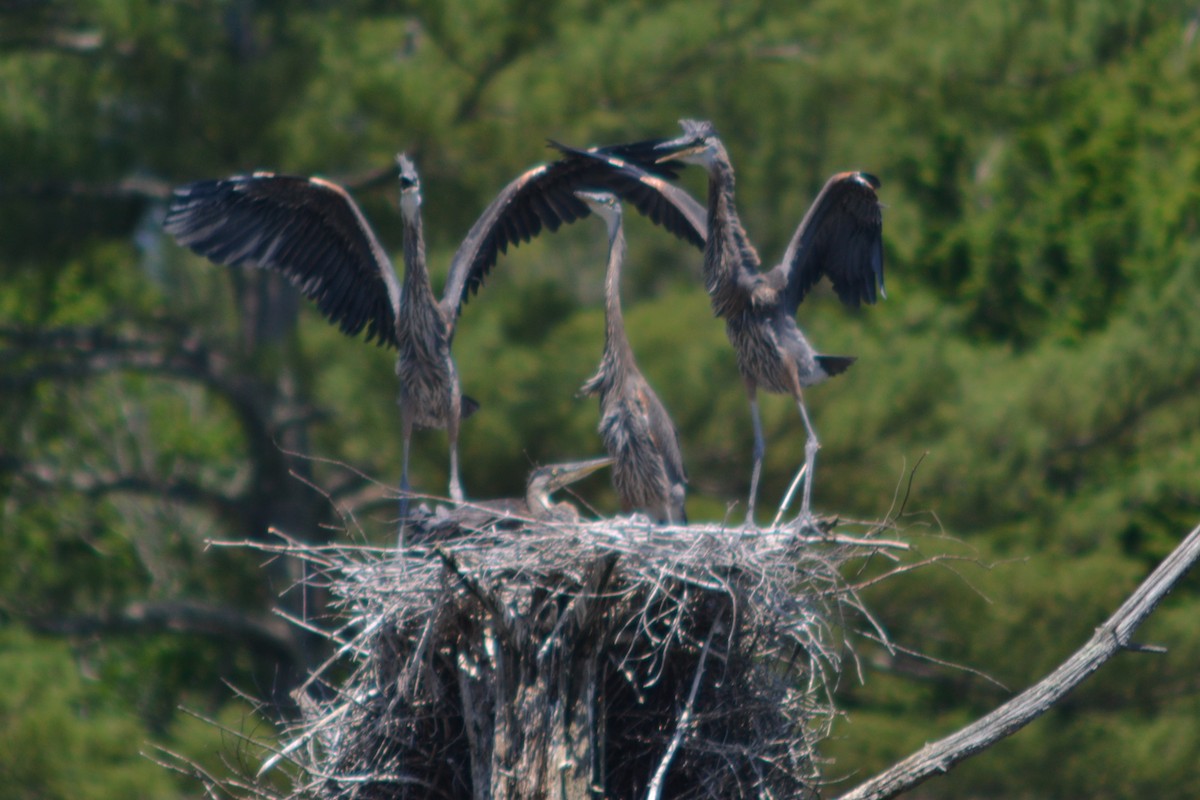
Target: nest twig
[(577, 660)]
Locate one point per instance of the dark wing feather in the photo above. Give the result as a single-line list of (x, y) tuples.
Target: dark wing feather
[(544, 197), (841, 236), (645, 154), (306, 228), (516, 215), (639, 181)]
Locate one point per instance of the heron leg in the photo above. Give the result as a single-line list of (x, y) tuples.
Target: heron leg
[(760, 449), (404, 486), (810, 458), (456, 492)]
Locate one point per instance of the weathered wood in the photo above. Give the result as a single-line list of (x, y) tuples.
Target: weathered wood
[(544, 745)]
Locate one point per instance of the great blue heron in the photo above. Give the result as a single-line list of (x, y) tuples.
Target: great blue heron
[(638, 433), (310, 230), (840, 236), (537, 505)]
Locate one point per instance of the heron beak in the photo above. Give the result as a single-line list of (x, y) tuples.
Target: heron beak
[(589, 196), (679, 148), (578, 470)]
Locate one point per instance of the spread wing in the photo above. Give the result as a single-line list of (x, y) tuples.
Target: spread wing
[(306, 228), (629, 171), (544, 197), (841, 236)]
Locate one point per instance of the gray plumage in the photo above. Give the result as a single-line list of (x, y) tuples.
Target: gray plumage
[(648, 472), (840, 237), (311, 231), (537, 505)]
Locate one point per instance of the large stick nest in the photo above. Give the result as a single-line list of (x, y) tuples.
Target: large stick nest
[(611, 659)]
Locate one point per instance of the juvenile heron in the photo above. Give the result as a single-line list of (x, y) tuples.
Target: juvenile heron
[(311, 231), (537, 505), (840, 236), (648, 471)]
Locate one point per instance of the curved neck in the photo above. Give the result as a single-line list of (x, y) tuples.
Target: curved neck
[(723, 222), (616, 342), (537, 501), (727, 252), (416, 274)]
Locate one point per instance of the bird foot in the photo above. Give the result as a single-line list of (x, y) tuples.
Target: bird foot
[(812, 527), (805, 522)]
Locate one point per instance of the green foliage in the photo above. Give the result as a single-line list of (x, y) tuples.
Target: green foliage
[(1036, 355), (63, 735)]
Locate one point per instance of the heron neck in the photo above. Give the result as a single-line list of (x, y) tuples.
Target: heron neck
[(722, 210), (416, 274), (727, 251), (616, 342), (537, 499)]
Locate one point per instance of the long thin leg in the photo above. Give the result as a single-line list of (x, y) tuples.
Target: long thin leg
[(760, 449), (789, 495), (810, 459), (456, 492), (404, 486)]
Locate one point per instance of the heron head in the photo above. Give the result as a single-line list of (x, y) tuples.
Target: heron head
[(410, 184), (698, 144), (606, 206), (552, 477)]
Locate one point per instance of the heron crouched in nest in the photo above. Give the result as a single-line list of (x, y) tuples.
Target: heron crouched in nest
[(537, 506)]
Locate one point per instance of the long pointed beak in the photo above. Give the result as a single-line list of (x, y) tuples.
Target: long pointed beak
[(676, 149), (589, 196), (679, 154), (578, 470)]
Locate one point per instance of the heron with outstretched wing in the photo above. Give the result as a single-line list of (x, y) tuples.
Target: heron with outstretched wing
[(311, 231), (840, 237)]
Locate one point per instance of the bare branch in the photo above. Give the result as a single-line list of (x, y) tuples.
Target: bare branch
[(681, 727), (1109, 639), (895, 649), (183, 616), (96, 483)]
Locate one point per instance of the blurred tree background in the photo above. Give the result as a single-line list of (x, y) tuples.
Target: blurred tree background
[(1040, 347)]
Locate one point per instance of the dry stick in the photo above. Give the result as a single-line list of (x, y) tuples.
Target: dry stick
[(685, 721), (787, 498), (1112, 636), (313, 730), (485, 598)]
